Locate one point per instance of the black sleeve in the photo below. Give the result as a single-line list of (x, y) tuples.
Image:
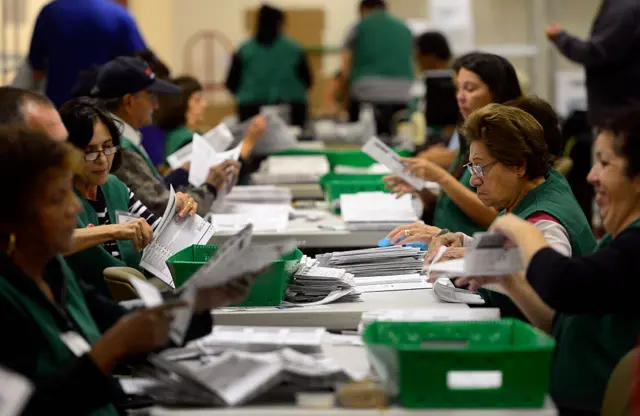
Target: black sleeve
[(604, 282), (235, 74), (304, 72)]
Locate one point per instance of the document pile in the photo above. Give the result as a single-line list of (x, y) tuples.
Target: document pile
[(232, 216), (428, 315), (172, 235), (376, 211), (260, 194), (291, 170), (314, 285), (375, 169), (373, 262)]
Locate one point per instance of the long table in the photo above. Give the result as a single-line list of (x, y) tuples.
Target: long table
[(336, 316)]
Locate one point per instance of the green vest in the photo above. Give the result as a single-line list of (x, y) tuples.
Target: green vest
[(126, 144), (383, 48), (587, 350), (89, 264), (176, 139), (270, 72), (553, 197), (30, 304)]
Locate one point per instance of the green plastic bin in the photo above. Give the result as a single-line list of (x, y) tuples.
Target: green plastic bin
[(269, 288), (337, 157), (433, 364), (336, 184)]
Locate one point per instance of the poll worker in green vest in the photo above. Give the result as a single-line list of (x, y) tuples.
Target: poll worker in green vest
[(56, 330), (589, 304), (269, 69), (481, 78), (128, 88), (107, 240), (377, 64)]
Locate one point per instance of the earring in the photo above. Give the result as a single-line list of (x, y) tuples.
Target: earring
[(12, 244)]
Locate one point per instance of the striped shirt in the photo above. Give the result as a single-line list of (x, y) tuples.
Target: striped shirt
[(135, 207)]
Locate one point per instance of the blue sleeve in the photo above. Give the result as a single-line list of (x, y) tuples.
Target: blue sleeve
[(131, 39), (38, 48)]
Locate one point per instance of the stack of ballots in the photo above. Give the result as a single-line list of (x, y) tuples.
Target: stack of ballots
[(380, 261), (376, 211), (257, 194), (314, 285), (291, 170)]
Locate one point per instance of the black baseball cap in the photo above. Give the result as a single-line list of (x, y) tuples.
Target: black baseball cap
[(128, 75)]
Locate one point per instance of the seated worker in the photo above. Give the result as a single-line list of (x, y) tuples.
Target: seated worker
[(482, 78), (56, 330), (101, 241), (128, 86), (268, 69), (589, 304), (377, 64)]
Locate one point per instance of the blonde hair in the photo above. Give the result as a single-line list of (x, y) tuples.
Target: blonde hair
[(512, 136)]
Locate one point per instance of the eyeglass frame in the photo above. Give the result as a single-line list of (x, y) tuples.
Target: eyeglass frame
[(115, 150), (478, 170)]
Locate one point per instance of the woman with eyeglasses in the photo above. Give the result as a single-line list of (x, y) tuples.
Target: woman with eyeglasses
[(105, 237)]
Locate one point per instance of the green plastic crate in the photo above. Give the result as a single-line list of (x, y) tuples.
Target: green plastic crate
[(337, 157), (416, 361), (269, 288), (336, 184)]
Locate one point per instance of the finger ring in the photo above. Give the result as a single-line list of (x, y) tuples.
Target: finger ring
[(406, 233)]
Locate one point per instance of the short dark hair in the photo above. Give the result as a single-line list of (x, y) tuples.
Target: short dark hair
[(433, 43), (269, 24), (12, 101), (373, 4), (495, 71), (27, 157), (80, 116), (544, 114), (512, 136), (625, 129), (172, 108)]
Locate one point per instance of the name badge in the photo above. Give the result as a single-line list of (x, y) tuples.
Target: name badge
[(78, 345)]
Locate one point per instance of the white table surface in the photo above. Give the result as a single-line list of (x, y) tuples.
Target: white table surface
[(337, 316)]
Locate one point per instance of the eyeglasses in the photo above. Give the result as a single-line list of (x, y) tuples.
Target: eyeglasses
[(92, 156), (478, 170)]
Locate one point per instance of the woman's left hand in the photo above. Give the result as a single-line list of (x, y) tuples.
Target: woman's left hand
[(219, 297), (424, 169), (185, 205)]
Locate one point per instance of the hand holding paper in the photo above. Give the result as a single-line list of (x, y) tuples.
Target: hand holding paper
[(385, 155)]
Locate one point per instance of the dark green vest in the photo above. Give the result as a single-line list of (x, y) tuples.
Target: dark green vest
[(126, 144), (587, 350), (553, 197), (89, 264), (31, 305), (176, 139), (270, 73), (383, 48)]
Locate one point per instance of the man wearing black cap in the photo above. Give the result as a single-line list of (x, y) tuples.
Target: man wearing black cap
[(128, 87)]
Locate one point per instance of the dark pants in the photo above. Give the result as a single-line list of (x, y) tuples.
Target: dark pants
[(299, 112), (383, 114)]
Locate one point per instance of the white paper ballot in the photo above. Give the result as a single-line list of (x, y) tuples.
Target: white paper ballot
[(181, 156), (182, 317), (220, 142), (15, 391), (149, 294), (205, 154), (172, 235), (385, 155)]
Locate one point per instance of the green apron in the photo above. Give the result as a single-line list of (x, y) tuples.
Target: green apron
[(587, 350), (126, 144), (89, 264), (555, 198), (383, 48), (270, 72), (31, 304), (176, 139)]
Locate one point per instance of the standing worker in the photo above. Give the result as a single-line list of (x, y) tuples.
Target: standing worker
[(270, 69), (70, 36), (611, 58), (377, 63)]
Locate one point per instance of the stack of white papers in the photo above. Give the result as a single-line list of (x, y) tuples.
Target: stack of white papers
[(313, 285), (232, 216), (411, 281), (291, 170), (376, 211), (429, 315), (259, 194), (172, 235), (261, 339), (236, 377), (374, 262)]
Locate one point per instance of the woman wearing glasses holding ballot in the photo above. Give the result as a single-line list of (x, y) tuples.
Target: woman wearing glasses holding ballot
[(480, 79), (588, 304), (56, 330), (114, 226)]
